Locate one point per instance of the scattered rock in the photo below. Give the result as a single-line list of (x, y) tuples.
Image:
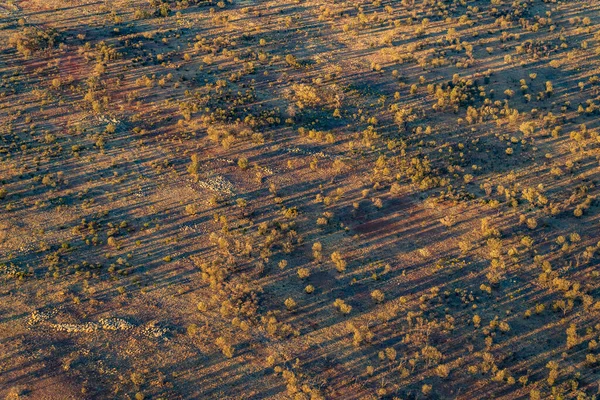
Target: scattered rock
[(37, 316), (218, 184), (154, 330), (115, 324), (108, 324), (87, 327)]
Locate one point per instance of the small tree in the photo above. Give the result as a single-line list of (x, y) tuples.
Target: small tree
[(194, 167), (340, 264)]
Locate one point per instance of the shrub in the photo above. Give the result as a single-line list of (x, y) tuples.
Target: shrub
[(303, 273), (290, 303), (377, 295), (194, 166), (442, 371), (342, 306), (31, 40), (291, 60), (306, 95), (317, 248), (192, 329), (243, 163), (572, 337), (340, 264), (225, 348)]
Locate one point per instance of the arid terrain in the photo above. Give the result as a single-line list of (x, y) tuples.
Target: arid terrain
[(300, 199)]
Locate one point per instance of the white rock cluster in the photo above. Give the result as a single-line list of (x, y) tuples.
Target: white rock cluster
[(107, 324), (155, 331), (114, 324), (37, 317), (217, 184), (87, 327)]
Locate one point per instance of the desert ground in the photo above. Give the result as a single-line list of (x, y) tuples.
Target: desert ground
[(300, 199)]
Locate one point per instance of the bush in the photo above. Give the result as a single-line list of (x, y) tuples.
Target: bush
[(290, 303), (243, 163), (340, 264), (31, 40), (377, 295), (342, 306)]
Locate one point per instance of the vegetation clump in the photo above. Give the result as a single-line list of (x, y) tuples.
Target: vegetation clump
[(282, 199)]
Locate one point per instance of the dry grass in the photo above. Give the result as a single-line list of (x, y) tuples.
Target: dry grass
[(299, 199)]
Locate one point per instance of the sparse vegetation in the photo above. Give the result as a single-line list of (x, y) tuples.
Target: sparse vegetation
[(282, 199)]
